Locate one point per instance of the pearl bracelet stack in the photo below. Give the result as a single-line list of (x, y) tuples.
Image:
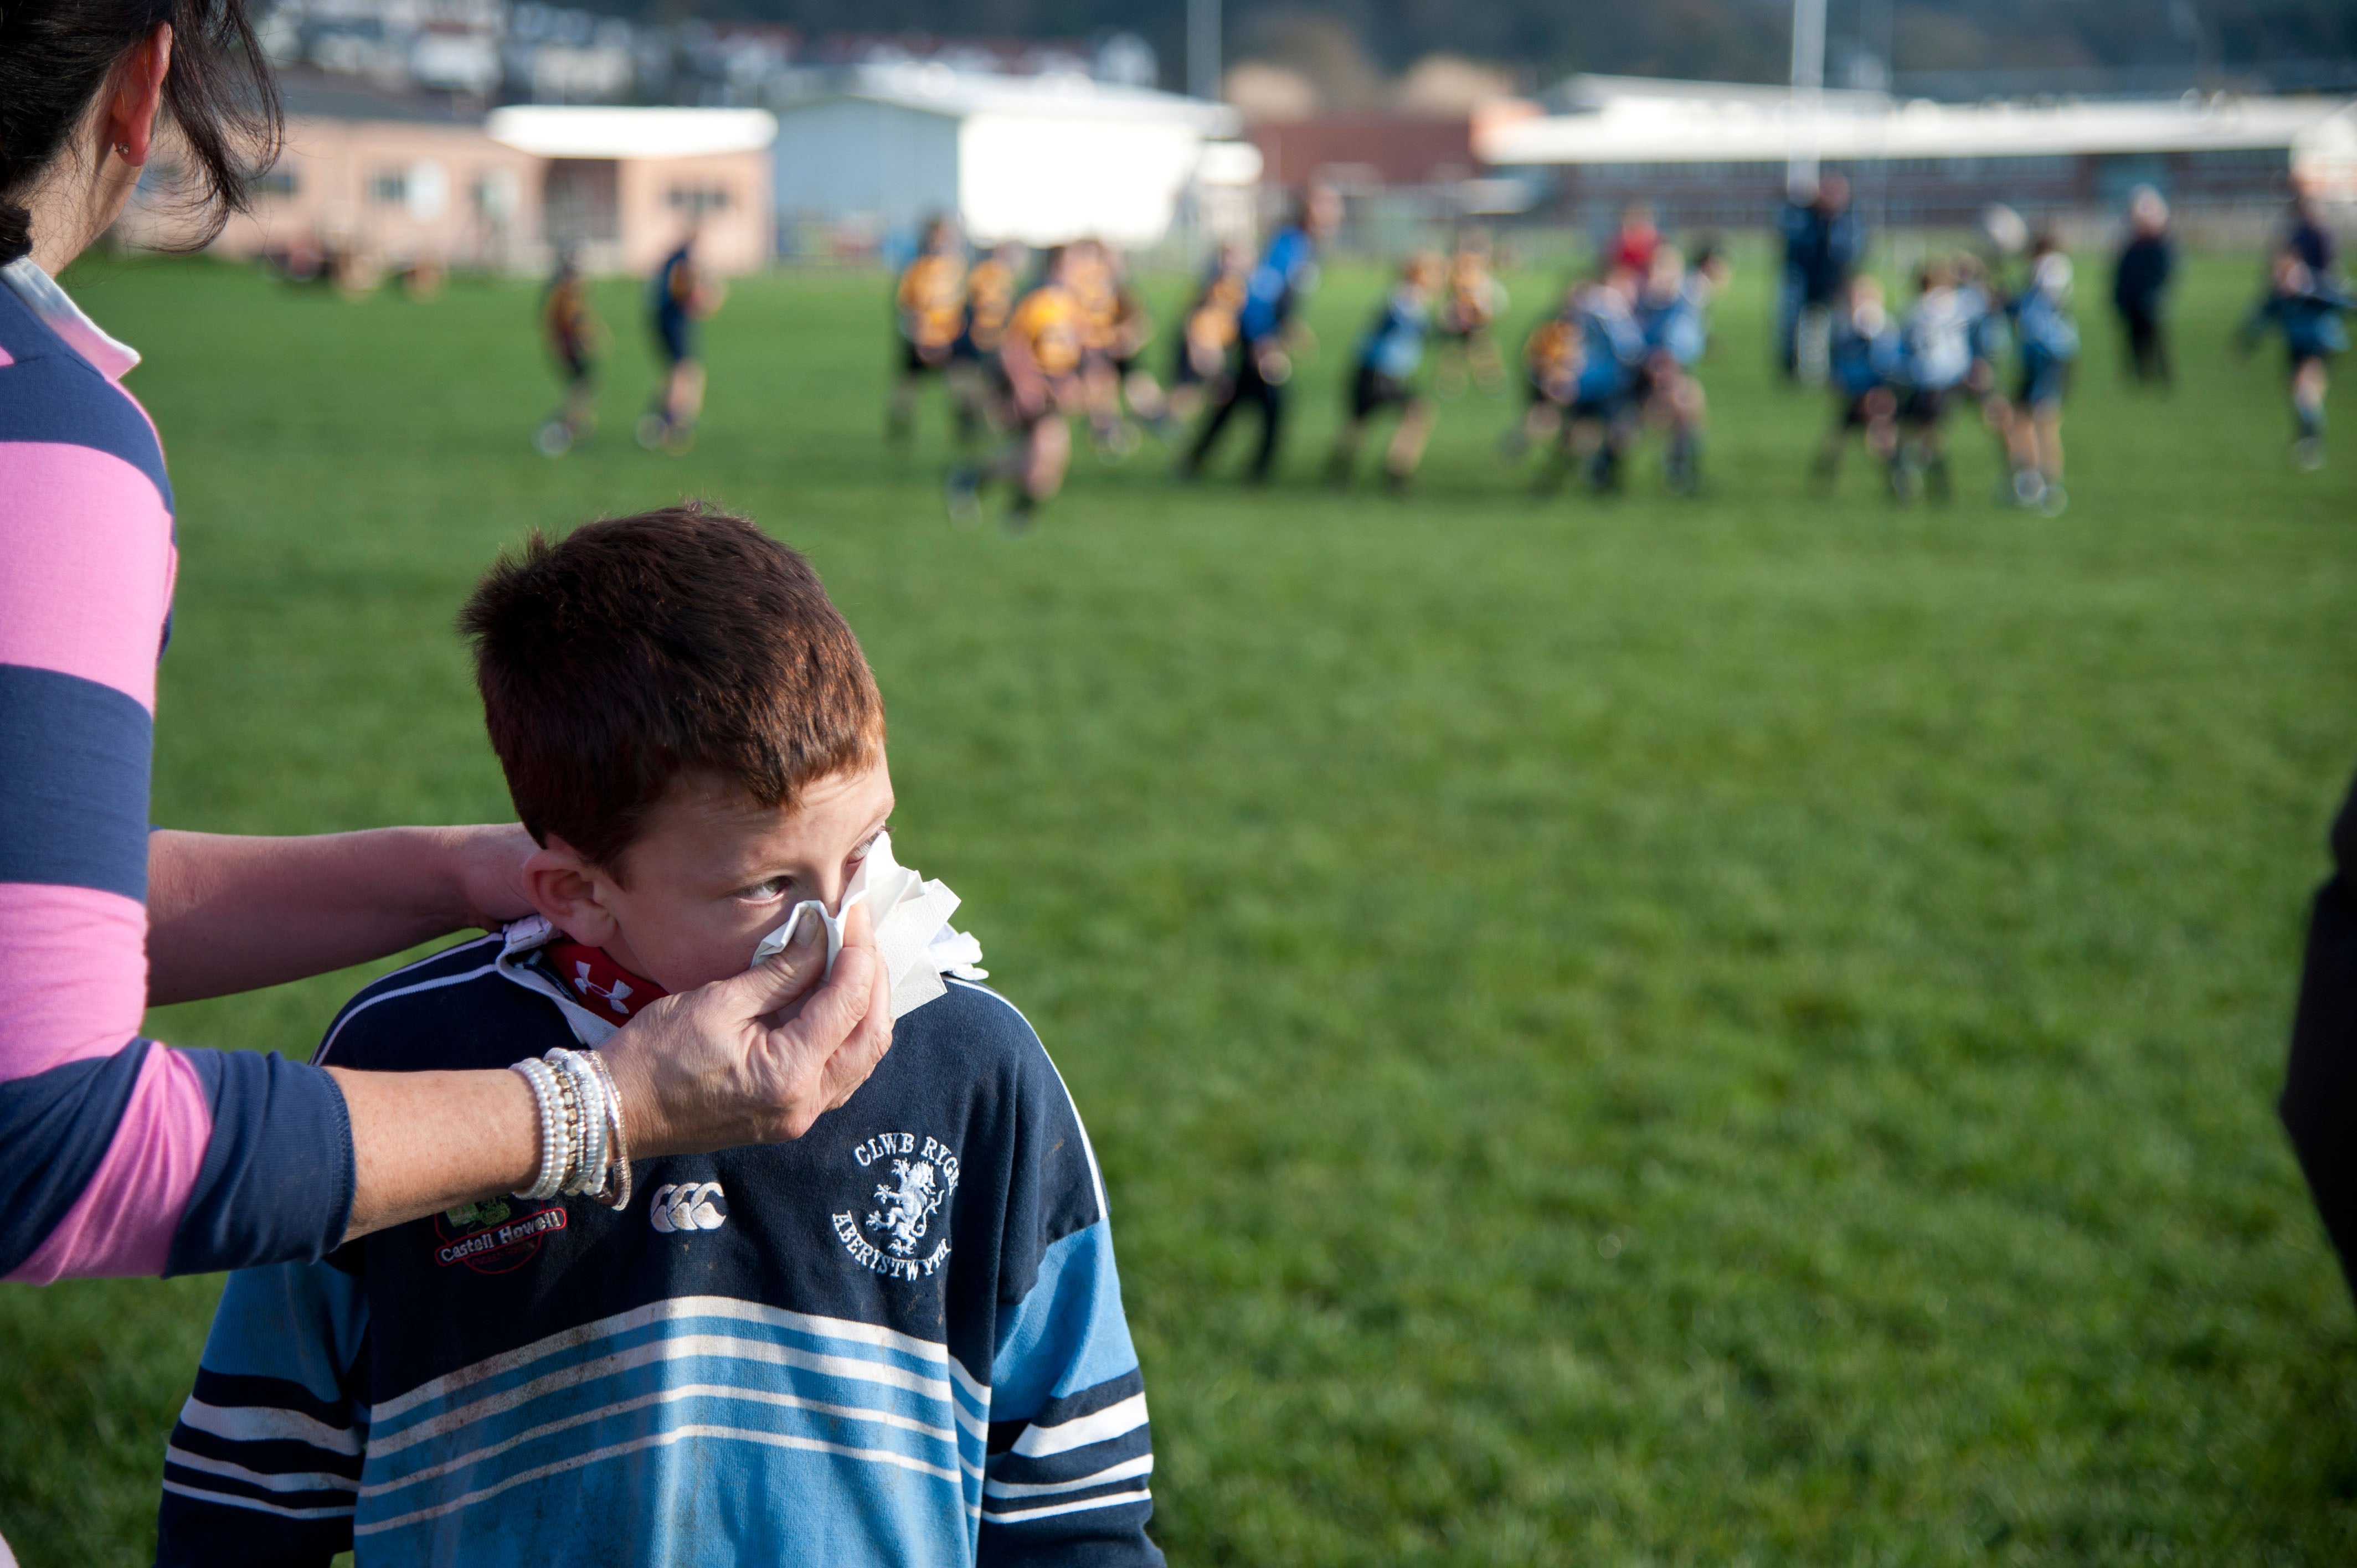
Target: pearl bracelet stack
[(582, 1147)]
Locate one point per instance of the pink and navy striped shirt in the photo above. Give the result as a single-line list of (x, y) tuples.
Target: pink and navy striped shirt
[(125, 1156)]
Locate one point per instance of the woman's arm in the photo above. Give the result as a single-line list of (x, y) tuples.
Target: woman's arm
[(228, 914)]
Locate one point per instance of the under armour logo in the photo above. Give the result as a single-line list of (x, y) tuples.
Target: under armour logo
[(613, 995), (688, 1206)]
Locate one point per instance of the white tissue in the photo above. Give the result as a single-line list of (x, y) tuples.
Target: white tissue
[(913, 936)]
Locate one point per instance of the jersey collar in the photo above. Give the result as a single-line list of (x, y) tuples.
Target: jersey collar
[(107, 355)]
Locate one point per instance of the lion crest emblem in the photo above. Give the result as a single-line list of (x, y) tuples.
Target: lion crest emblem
[(907, 1209), (894, 1236)]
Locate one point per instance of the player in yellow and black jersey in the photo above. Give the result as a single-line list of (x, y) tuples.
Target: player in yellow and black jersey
[(929, 311), (1207, 334), (1133, 333), (973, 358), (1042, 364), (1470, 300), (572, 332), (1096, 287), (1552, 356)]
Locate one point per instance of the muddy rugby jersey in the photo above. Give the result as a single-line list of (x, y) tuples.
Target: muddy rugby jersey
[(897, 1340)]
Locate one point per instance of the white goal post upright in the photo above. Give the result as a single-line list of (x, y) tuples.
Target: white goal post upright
[(1808, 89), (1203, 50)]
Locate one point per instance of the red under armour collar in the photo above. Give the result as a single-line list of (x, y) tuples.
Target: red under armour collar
[(605, 987)]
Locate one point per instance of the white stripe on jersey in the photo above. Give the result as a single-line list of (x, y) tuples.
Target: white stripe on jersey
[(1142, 1464), (1110, 1500), (1038, 1442), (264, 1424), (658, 1440)]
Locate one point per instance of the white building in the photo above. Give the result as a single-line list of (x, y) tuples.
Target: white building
[(1623, 120), (1040, 159), (1714, 154)]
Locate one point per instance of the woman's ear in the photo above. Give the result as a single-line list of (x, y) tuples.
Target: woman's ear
[(138, 100), (569, 893)]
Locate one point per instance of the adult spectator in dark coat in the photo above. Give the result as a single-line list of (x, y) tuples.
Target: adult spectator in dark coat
[(1822, 240), (2320, 1097), (2145, 262)]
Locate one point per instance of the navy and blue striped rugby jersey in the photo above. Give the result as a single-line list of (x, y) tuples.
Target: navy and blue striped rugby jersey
[(898, 1340)]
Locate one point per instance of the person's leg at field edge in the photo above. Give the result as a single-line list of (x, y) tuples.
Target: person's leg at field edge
[(670, 422), (900, 408), (2147, 353), (1033, 465), (1046, 455), (2309, 384), (1245, 384), (1345, 456), (1789, 296), (2045, 438), (1271, 398), (1406, 449), (683, 399), (1222, 409), (1689, 417), (581, 398)]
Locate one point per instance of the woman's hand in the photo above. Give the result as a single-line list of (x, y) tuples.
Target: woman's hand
[(758, 1057), (487, 871)]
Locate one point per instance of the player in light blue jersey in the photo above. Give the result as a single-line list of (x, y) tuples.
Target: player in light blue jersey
[(1864, 359), (1389, 358), (1979, 282), (1602, 418), (1937, 335), (2049, 341), (2305, 307), (1673, 313)]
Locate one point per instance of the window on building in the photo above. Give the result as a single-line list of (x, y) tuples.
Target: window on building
[(279, 181), (582, 200), (696, 200), (389, 187)]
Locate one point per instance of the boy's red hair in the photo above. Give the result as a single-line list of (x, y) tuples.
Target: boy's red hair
[(638, 650)]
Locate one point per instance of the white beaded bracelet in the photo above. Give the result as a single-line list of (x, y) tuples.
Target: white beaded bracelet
[(568, 1102), (549, 1171), (583, 1148), (588, 1096)]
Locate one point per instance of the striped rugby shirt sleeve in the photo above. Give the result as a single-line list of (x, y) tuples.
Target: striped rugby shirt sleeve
[(264, 1464), (125, 1156), (1069, 1456)]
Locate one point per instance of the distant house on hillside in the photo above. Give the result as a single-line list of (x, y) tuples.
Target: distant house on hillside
[(622, 184), (374, 181)]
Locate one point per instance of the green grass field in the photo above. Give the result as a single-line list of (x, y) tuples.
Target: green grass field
[(1739, 1030)]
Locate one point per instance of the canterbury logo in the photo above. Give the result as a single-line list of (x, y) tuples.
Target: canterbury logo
[(690, 1206)]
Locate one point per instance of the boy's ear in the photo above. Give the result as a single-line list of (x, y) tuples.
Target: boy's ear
[(568, 894)]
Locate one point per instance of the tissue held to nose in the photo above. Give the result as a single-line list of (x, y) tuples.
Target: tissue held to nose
[(913, 936)]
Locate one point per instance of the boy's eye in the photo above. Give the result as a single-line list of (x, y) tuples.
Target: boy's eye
[(763, 891)]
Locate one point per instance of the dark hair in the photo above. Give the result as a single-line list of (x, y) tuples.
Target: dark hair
[(57, 55), (639, 648)]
